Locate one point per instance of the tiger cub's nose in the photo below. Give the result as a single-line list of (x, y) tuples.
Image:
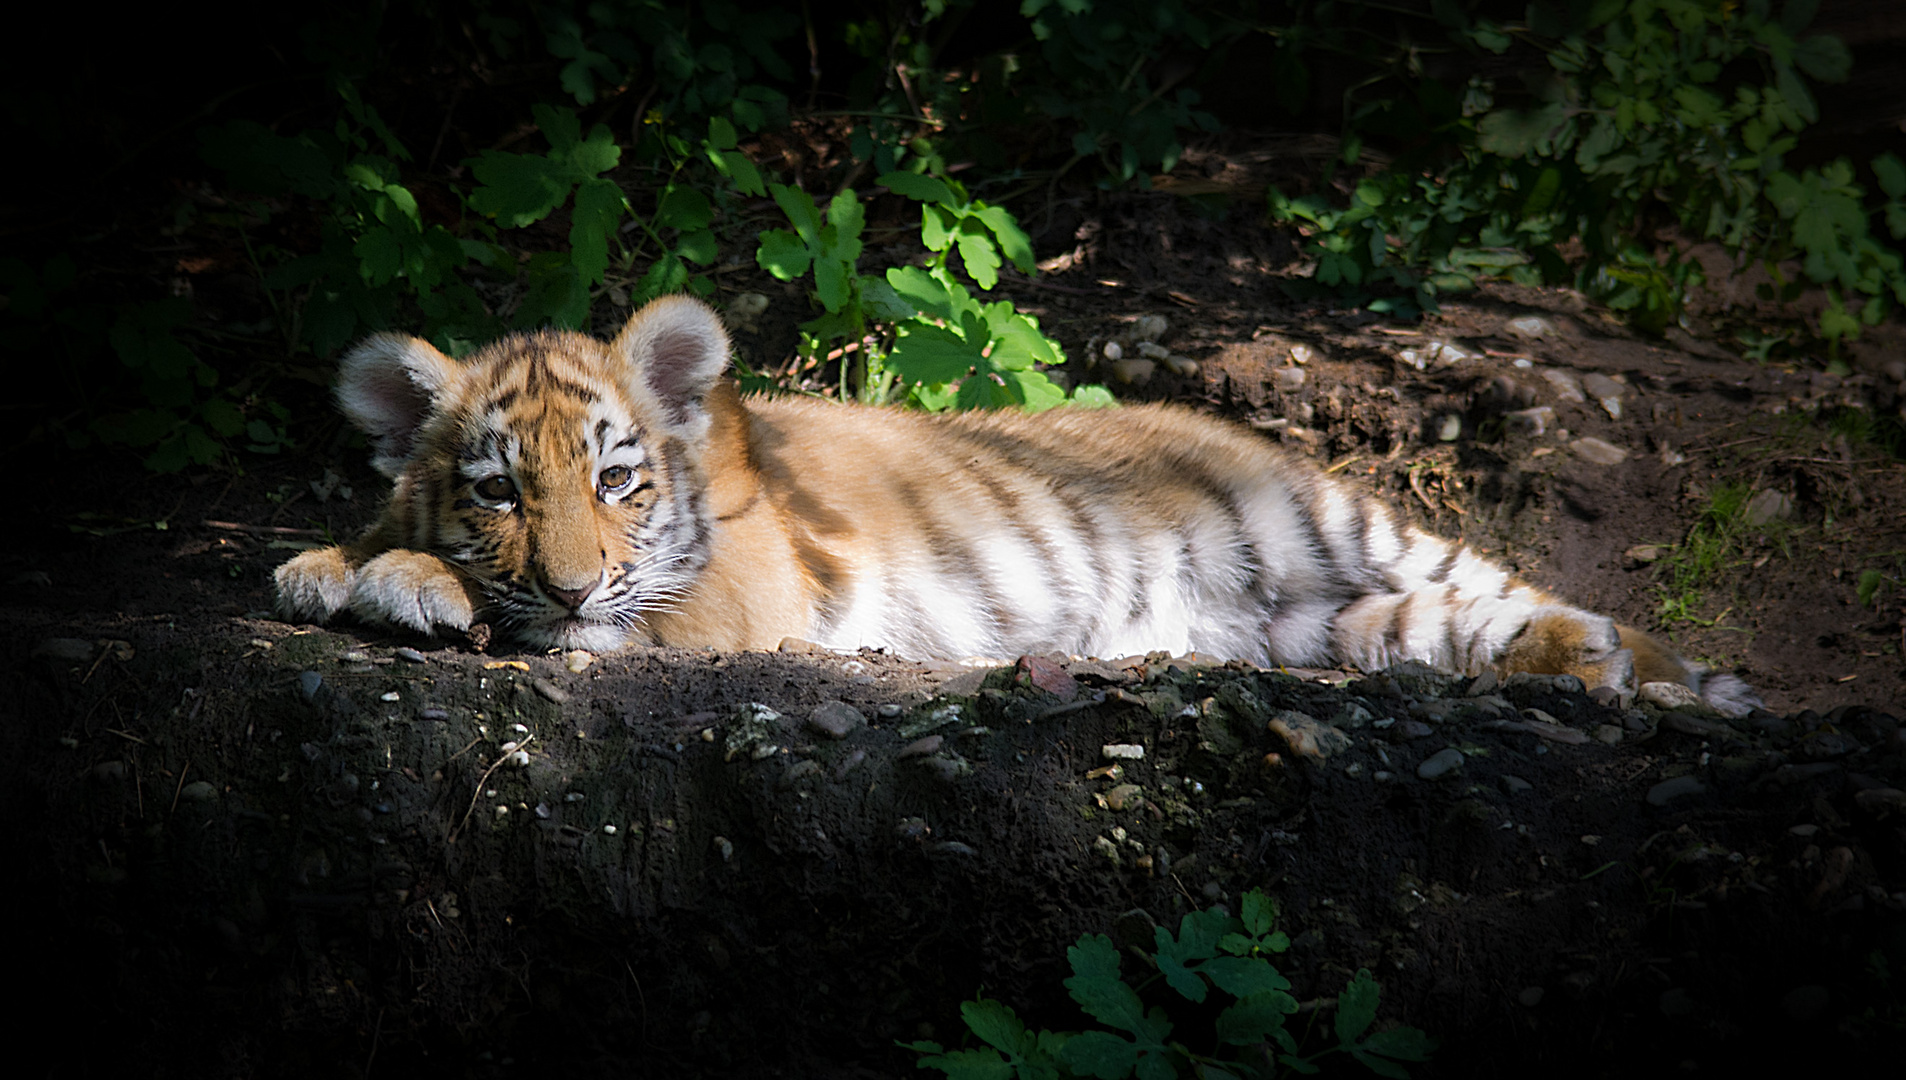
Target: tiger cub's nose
[(569, 598)]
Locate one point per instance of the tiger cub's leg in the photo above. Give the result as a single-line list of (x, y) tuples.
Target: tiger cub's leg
[(412, 589), (1433, 601)]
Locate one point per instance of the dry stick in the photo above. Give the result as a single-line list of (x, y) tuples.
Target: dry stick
[(187, 767), (484, 779), (262, 530)]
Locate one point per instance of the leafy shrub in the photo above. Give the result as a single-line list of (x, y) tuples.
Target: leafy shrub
[(1650, 112), (1211, 951), (920, 325)]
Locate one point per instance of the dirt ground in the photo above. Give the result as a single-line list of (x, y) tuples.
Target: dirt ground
[(343, 895)]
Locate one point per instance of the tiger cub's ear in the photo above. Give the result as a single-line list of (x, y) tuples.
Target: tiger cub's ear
[(676, 349), (388, 386)]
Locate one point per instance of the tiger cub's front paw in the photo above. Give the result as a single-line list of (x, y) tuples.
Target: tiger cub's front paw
[(1562, 640), (314, 586), (412, 589)]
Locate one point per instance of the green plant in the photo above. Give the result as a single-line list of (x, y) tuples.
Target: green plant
[(373, 235), (1640, 114), (1211, 951), (917, 330), (1715, 542)]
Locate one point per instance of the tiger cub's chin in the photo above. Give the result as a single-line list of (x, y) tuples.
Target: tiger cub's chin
[(577, 493)]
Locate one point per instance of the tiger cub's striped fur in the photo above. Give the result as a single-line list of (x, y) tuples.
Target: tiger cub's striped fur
[(582, 494)]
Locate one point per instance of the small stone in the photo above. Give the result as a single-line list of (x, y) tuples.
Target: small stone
[(1670, 695), (1116, 798), (836, 719), (1122, 751), (1598, 451), (889, 711), (608, 830), (405, 652), (1608, 734), (1307, 737), (1449, 430), (434, 712), (1288, 380), (1302, 354), (1668, 790), (917, 747), (1643, 554), (390, 695), (1607, 697), (577, 660), (1515, 785), (519, 759), (1113, 351), (1149, 327), (549, 689), (1767, 506), (198, 791), (1565, 386), (1878, 799), (1133, 372), (1151, 350), (1442, 763), (801, 646), (1414, 729), (1485, 683), (1045, 675), (1529, 327), (950, 847), (308, 683), (1532, 421), (725, 847), (1688, 724)]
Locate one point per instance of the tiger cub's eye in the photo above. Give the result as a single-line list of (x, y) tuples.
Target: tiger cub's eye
[(616, 477), (496, 489)]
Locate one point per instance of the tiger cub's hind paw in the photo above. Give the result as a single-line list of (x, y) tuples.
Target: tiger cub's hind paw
[(1560, 640), (414, 590), (314, 586)]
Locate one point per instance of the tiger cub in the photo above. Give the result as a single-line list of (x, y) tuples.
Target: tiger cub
[(578, 494)]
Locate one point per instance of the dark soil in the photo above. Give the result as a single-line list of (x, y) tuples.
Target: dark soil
[(247, 848)]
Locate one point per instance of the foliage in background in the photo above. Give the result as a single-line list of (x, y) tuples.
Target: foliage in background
[(920, 325), (1585, 127), (1641, 114), (1212, 950)]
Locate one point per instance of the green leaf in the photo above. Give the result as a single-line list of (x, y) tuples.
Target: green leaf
[(1096, 986), (846, 216), (1243, 976), (222, 417), (1869, 587), (799, 208), (916, 186), (1092, 396), (518, 189), (1099, 1054), (1252, 1019), (1891, 175), (782, 254), (1516, 133), (738, 168), (925, 353), (966, 1064), (1824, 57), (1356, 1007), (593, 220), (879, 300), (683, 207), (699, 247), (921, 290), (1013, 240), (1258, 912), (978, 253)]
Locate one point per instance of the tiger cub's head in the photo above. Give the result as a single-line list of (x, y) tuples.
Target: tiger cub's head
[(560, 474)]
